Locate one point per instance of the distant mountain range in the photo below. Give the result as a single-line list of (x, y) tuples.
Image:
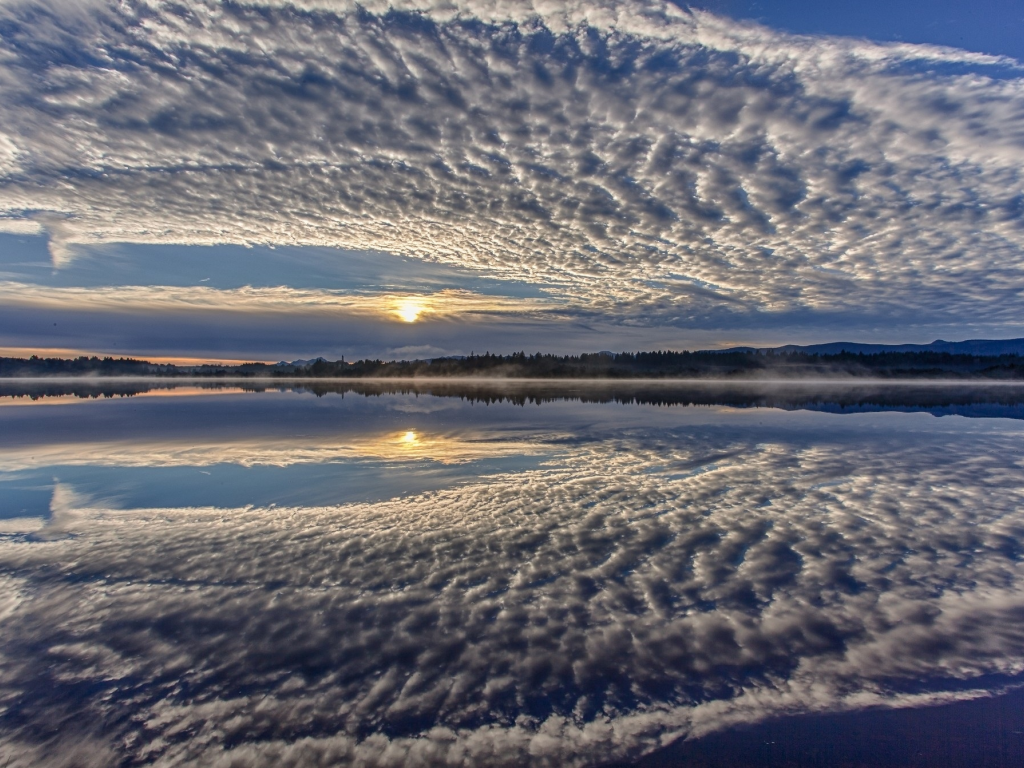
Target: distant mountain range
[(301, 363), (984, 347)]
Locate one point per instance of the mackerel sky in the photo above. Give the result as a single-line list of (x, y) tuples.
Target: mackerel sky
[(267, 179)]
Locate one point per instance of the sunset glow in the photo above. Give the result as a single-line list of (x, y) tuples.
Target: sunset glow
[(409, 310)]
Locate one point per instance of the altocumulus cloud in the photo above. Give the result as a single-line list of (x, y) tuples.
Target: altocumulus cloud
[(630, 590), (641, 160)]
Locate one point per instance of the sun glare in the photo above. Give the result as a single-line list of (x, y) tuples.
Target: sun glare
[(409, 310)]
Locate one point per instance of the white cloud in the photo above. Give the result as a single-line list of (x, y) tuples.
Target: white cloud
[(20, 226), (644, 161)]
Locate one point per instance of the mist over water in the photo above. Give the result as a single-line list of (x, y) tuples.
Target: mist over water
[(476, 575)]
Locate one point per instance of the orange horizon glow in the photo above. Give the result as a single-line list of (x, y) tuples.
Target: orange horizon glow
[(64, 352)]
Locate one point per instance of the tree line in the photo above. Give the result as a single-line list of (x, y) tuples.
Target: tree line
[(624, 365)]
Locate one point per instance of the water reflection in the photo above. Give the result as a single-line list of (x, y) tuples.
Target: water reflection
[(973, 399), (577, 583)]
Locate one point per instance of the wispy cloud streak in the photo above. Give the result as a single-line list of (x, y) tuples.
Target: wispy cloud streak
[(281, 299)]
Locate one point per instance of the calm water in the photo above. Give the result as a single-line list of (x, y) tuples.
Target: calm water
[(506, 574)]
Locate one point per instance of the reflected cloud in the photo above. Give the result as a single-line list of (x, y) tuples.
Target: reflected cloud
[(645, 586)]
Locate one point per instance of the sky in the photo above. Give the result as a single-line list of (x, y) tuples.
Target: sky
[(266, 180)]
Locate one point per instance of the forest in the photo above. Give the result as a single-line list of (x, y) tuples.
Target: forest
[(745, 364)]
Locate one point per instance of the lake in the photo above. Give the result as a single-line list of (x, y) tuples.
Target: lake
[(511, 573)]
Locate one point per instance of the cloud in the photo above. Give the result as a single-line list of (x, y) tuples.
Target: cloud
[(647, 585), (281, 299), (20, 226), (645, 162)]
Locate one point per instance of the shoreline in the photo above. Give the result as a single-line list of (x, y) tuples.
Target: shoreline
[(192, 380)]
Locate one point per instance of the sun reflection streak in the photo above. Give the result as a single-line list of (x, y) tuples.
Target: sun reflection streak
[(406, 445)]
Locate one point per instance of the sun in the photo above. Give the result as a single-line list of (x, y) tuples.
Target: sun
[(409, 310)]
